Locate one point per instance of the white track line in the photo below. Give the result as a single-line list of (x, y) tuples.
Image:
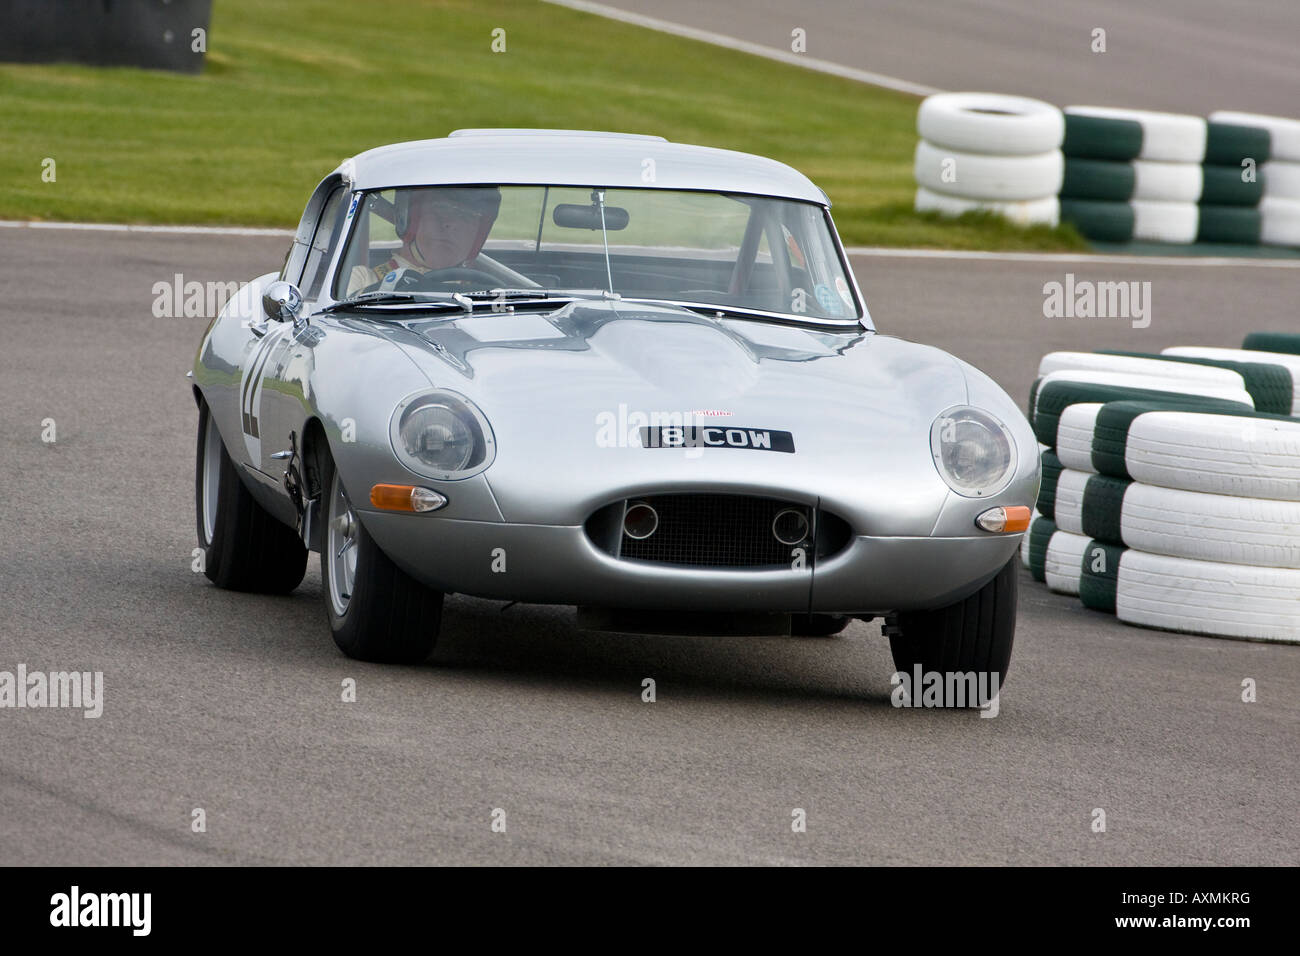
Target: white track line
[(744, 46), (1079, 257), (128, 227)]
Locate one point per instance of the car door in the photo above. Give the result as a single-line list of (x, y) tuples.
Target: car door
[(285, 399)]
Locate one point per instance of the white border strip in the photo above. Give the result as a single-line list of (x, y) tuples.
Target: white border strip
[(744, 46), (1073, 257), (128, 227)]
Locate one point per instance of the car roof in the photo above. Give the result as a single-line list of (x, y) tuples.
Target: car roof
[(574, 157)]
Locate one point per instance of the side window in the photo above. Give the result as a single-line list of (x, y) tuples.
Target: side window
[(373, 242), (323, 243)]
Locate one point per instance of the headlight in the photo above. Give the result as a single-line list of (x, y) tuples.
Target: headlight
[(441, 434), (974, 452)]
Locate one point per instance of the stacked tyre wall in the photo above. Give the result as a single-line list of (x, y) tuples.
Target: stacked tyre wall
[(992, 152), (1123, 174), (1171, 486)]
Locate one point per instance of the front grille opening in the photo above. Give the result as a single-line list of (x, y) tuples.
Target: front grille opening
[(833, 534), (716, 531)]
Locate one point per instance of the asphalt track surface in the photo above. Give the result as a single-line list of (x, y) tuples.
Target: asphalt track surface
[(232, 702), (1191, 56)]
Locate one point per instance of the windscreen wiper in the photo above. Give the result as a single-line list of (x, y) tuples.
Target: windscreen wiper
[(544, 294), (722, 310), (467, 301), (432, 299)]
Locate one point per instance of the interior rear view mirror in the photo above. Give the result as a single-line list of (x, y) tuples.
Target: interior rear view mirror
[(574, 216)]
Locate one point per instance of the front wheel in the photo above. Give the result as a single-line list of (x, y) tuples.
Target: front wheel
[(377, 612), (244, 547), (972, 635)]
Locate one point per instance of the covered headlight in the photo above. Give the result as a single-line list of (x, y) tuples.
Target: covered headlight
[(441, 434), (974, 452)]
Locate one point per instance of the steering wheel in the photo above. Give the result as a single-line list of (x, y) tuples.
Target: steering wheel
[(434, 277)]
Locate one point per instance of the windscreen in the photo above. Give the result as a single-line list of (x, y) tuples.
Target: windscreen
[(735, 251)]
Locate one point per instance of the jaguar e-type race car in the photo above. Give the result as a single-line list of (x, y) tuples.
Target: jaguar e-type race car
[(607, 371)]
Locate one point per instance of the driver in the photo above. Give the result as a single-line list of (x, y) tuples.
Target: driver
[(440, 228)]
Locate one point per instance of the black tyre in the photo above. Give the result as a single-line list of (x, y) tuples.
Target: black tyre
[(245, 548), (974, 634), (817, 625), (376, 611)]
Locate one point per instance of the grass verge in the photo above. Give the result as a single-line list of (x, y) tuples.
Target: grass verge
[(291, 88)]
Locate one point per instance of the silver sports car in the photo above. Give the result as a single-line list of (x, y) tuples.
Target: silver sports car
[(607, 371)]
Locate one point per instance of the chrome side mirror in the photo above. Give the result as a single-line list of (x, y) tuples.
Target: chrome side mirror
[(282, 302)]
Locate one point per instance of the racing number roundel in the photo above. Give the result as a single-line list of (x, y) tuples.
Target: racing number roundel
[(250, 391)]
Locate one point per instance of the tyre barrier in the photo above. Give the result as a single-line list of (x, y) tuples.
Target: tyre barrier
[(992, 178), (1045, 211), (1143, 220), (1074, 433), (1284, 342), (992, 123), (1273, 389), (1170, 502), (1206, 597), (990, 152), (1279, 179), (1118, 175), (1136, 363), (1034, 546), (1099, 575), (1062, 562), (1181, 524), (1136, 175), (1104, 132), (1146, 220), (1269, 384), (1053, 393), (1279, 221), (1051, 471), (1283, 133)]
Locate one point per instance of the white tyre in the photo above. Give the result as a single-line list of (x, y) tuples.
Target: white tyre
[(1204, 597), (1167, 182), (1279, 221), (1070, 487), (1165, 221), (1189, 524), (1025, 538), (1283, 131), (991, 123), (1280, 179), (1290, 362), (1183, 386), (1031, 212), (1064, 562), (1074, 436), (1155, 368), (1170, 137), (1214, 454), (997, 178)]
